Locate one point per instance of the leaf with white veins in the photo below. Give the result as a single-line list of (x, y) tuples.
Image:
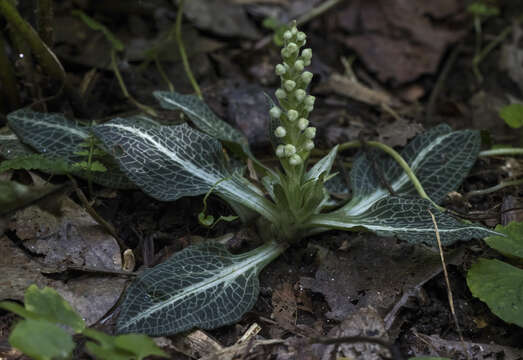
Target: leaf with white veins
[(407, 218), (169, 162), (201, 115), (56, 136), (440, 158), (201, 286)]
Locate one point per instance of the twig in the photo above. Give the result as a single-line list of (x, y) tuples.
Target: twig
[(494, 188), (181, 49), (318, 10), (447, 282), (100, 220)]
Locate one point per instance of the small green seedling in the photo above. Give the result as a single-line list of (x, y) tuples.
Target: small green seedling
[(498, 283), (206, 286), (43, 334), (513, 115)]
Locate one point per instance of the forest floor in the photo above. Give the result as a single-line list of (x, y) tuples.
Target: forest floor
[(384, 70)]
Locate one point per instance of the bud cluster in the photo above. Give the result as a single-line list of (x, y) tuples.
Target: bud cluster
[(294, 132)]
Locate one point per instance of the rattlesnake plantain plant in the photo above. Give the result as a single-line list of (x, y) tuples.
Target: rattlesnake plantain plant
[(206, 286)]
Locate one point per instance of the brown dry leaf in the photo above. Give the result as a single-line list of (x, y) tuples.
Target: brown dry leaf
[(397, 39), (68, 237), (221, 17), (399, 132), (374, 271), (365, 322), (284, 309), (71, 238), (345, 86)]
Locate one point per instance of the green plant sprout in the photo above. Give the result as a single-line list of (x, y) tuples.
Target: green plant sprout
[(42, 333), (205, 285), (498, 283)]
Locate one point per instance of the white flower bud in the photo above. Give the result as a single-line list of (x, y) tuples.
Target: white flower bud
[(294, 30), (285, 52), (309, 100), (307, 54), (287, 35), (280, 132), (306, 77), (289, 85), (295, 160), (309, 108), (289, 150), (292, 48), (275, 112), (303, 123), (280, 151), (299, 65), (280, 94), (280, 70), (308, 145), (300, 94), (300, 36), (292, 114), (310, 132)]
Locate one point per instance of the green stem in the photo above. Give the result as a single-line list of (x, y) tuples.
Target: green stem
[(501, 151), (146, 109), (399, 159), (183, 54), (495, 188)]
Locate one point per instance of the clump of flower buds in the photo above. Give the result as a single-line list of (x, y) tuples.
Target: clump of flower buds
[(294, 132)]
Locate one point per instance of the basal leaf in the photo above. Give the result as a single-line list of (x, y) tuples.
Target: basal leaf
[(48, 133), (11, 147), (41, 340), (406, 218), (510, 245), (500, 286), (439, 157), (57, 137), (201, 115), (169, 162), (201, 286)]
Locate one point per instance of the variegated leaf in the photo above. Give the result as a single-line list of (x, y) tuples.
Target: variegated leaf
[(201, 286), (407, 218)]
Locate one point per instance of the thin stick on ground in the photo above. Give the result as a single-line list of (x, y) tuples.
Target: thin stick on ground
[(447, 282)]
